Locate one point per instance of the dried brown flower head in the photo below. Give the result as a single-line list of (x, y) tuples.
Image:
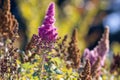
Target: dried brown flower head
[(64, 46), (8, 23), (73, 51), (91, 71), (86, 74), (33, 42), (95, 69), (33, 47)]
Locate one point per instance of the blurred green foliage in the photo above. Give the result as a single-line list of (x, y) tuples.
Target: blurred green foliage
[(115, 47)]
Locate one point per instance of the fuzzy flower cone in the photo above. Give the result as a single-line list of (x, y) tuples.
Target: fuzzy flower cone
[(100, 50), (47, 31)]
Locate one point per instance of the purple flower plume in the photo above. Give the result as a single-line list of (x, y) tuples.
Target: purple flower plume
[(91, 55), (47, 31), (100, 50)]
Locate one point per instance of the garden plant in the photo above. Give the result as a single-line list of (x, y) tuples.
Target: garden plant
[(47, 56)]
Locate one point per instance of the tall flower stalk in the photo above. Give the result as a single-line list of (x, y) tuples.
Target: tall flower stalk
[(47, 31), (47, 35), (100, 50), (73, 51)]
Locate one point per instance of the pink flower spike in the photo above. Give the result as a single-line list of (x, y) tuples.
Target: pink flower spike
[(101, 50), (47, 31)]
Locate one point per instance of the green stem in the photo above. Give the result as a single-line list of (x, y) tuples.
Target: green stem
[(41, 65)]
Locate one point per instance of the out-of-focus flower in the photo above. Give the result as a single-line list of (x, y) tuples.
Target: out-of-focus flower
[(91, 55), (100, 50), (47, 31)]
